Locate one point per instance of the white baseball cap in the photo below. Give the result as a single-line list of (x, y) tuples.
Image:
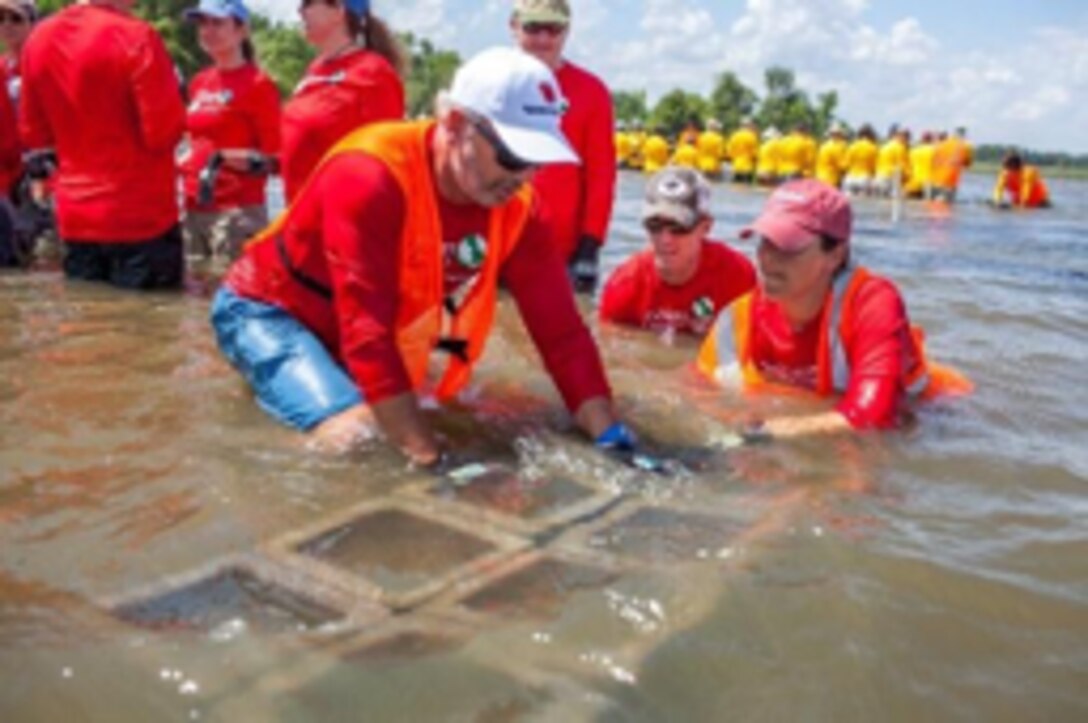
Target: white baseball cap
[(520, 96)]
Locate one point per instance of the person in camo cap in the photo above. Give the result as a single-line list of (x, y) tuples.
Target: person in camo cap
[(577, 198)]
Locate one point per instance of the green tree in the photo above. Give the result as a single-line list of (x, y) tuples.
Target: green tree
[(430, 71), (674, 110), (731, 100), (630, 105), (785, 106), (281, 51)]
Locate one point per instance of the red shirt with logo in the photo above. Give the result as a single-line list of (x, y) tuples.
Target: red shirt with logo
[(345, 229), (879, 351), (99, 87), (10, 149), (577, 198), (636, 295), (337, 95), (230, 109)]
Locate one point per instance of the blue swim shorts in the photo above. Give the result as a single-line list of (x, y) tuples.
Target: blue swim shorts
[(295, 378)]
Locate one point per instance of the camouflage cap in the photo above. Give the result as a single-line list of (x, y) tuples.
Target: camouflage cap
[(542, 11)]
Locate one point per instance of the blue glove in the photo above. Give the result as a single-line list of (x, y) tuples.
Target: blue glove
[(620, 442)]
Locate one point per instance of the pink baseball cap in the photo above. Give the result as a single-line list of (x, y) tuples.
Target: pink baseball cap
[(798, 213)]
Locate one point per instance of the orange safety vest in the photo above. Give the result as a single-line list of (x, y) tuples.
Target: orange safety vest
[(733, 331), (426, 318), (949, 160)]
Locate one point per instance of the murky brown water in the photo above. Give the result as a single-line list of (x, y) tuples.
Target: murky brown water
[(168, 553)]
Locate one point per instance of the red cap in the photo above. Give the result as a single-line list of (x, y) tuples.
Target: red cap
[(799, 212)]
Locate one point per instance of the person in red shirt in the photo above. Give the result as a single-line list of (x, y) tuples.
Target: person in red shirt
[(99, 87), (234, 135), (684, 279), (577, 198), (389, 263), (16, 20), (820, 323), (355, 79)]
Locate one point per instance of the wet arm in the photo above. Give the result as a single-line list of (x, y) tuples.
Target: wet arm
[(538, 281), (362, 236)]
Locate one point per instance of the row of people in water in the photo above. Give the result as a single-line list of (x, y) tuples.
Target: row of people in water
[(380, 284), (930, 168)]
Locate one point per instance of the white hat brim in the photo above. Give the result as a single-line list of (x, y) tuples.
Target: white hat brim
[(536, 145)]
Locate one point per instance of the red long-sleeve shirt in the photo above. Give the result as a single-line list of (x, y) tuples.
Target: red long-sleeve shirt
[(235, 109), (10, 149), (577, 198), (337, 95), (636, 295), (344, 232), (880, 351), (99, 87)]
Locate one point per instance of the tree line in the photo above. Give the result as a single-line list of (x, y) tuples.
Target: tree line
[(783, 105)]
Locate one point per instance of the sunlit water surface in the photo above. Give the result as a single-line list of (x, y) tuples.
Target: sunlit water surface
[(165, 549)]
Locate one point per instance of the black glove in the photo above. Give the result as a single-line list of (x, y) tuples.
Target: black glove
[(205, 188), (584, 266), (258, 164)]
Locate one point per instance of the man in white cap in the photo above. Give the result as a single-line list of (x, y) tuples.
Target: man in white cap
[(577, 198), (389, 261)]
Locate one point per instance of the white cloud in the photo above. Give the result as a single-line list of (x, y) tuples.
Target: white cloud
[(1033, 91)]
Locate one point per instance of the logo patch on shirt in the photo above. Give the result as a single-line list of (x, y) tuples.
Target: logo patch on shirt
[(471, 251), (211, 99), (702, 308)]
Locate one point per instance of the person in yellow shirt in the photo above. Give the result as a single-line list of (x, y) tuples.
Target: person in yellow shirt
[(893, 164), (767, 163), (952, 156), (637, 134), (791, 156), (920, 184), (809, 148), (1020, 185), (686, 155), (831, 158), (743, 150), (655, 152), (711, 147), (625, 146), (861, 162)]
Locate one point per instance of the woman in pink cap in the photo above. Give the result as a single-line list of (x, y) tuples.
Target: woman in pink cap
[(820, 323)]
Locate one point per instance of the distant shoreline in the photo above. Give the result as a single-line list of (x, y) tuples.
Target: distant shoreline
[(992, 168)]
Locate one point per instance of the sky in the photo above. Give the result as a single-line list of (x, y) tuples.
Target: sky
[(1012, 71)]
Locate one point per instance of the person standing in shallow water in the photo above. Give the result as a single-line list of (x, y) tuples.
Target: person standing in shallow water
[(233, 122), (355, 80), (391, 259), (109, 104), (577, 198)]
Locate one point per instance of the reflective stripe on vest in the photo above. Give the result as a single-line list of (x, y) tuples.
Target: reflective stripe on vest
[(726, 355)]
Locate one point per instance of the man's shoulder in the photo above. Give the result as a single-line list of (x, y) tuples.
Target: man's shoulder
[(571, 73)]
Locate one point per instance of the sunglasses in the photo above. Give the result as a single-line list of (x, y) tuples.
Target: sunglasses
[(8, 17), (661, 225), (503, 155), (308, 3), (552, 29)]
